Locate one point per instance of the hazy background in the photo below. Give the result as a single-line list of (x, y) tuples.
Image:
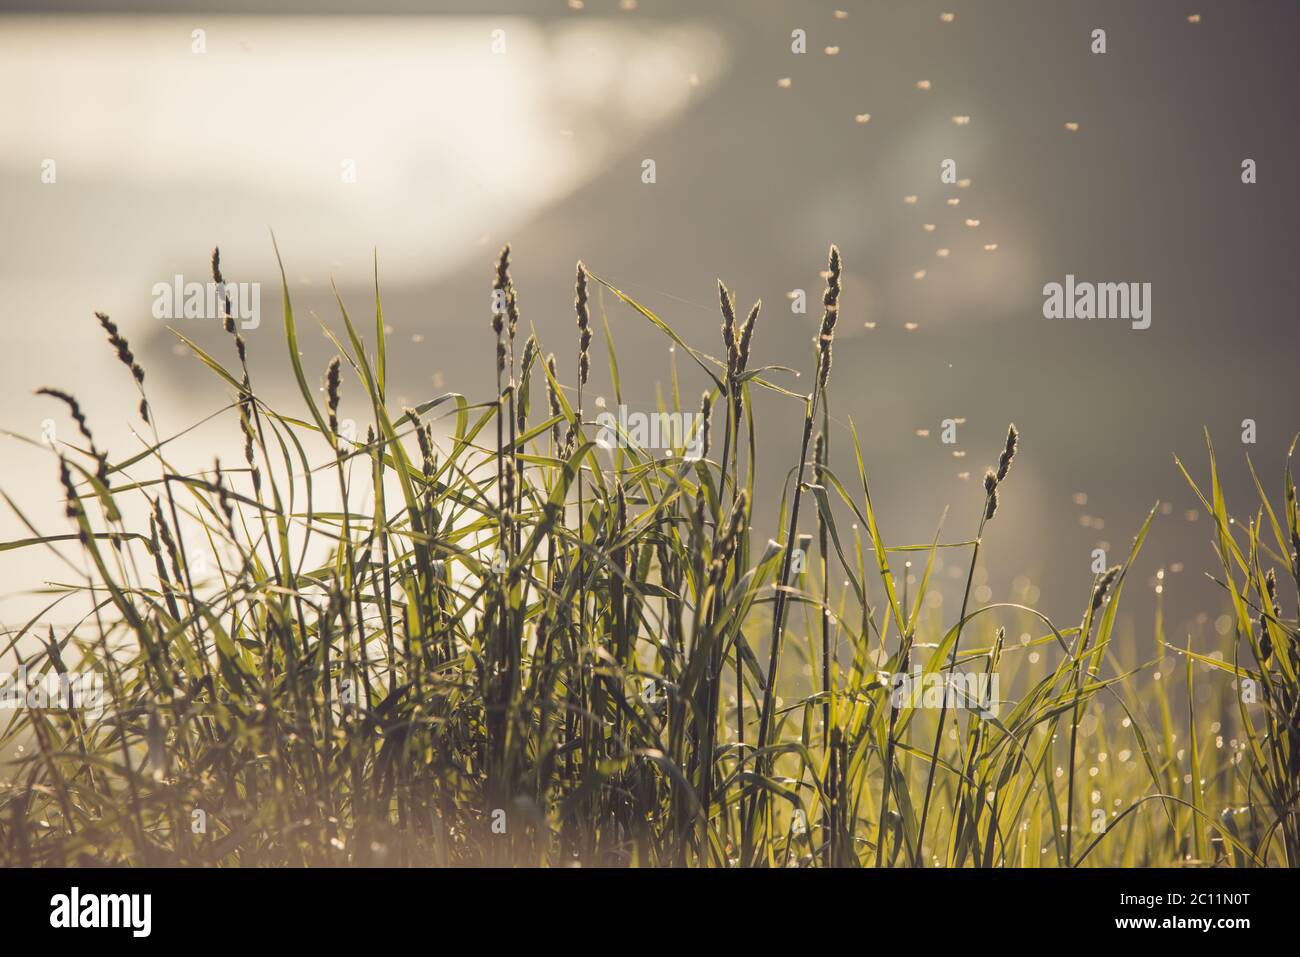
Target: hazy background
[(162, 153)]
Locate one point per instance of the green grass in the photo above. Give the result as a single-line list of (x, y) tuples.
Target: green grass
[(510, 646)]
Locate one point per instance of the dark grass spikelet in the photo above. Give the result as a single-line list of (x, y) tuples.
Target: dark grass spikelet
[(530, 356), (168, 541), (993, 479), (507, 492), (228, 318), (831, 303), (512, 312), (819, 455), (1265, 641), (991, 491), (706, 413), (500, 304), (250, 434), (332, 383), (1295, 534), (584, 325), (746, 338), (701, 510), (620, 505), (501, 286), (727, 544), (223, 497), (553, 396), (1009, 453), (73, 508), (74, 409), (728, 303), (525, 368), (124, 354), (1103, 586), (423, 438)]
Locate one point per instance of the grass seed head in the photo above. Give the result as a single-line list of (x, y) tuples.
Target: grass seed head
[(584, 325), (831, 302), (991, 491), (1266, 640), (332, 383), (74, 409), (512, 312), (1104, 585), (116, 340), (728, 304), (746, 338), (501, 290), (228, 319), (706, 413), (553, 396), (1009, 453), (727, 544), (223, 497), (530, 356), (73, 508)]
